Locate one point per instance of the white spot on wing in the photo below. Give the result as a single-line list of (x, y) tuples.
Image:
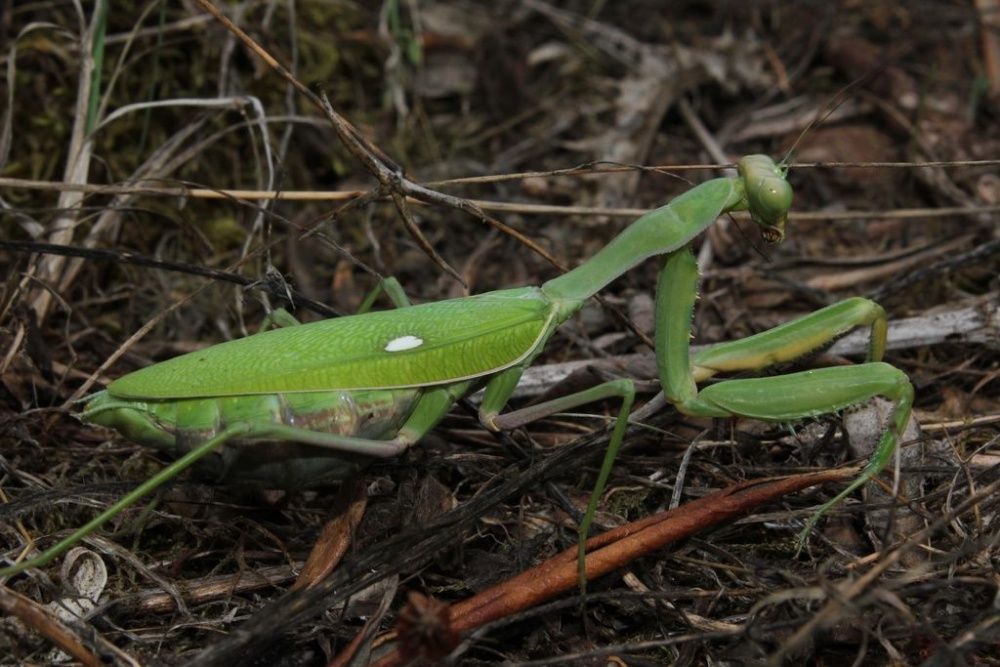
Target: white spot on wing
[(403, 343)]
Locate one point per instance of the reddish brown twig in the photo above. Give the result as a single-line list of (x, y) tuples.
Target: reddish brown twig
[(608, 552)]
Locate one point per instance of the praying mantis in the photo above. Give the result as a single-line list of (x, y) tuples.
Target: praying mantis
[(299, 405)]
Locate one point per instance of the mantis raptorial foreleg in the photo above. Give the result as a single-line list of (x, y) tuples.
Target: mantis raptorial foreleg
[(133, 496), (782, 398), (793, 340)]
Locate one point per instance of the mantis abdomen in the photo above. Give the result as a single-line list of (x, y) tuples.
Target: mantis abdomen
[(176, 426)]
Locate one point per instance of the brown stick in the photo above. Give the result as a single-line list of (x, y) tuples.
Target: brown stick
[(612, 550)]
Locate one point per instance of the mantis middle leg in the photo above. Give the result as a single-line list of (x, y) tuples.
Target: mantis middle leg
[(498, 392)]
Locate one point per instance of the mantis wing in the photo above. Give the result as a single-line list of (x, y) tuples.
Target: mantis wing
[(422, 345)]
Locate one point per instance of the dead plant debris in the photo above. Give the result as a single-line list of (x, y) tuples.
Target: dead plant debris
[(154, 101)]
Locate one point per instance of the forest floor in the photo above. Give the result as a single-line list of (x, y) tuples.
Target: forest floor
[(141, 135)]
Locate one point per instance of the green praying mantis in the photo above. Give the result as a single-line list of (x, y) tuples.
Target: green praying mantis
[(300, 405)]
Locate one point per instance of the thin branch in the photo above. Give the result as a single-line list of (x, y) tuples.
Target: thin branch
[(475, 207)]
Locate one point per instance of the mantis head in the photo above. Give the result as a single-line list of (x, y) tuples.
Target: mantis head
[(769, 196)]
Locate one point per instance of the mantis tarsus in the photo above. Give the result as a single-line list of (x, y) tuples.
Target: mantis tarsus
[(298, 405)]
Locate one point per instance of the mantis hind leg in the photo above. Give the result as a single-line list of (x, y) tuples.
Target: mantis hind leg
[(133, 496), (430, 408)]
